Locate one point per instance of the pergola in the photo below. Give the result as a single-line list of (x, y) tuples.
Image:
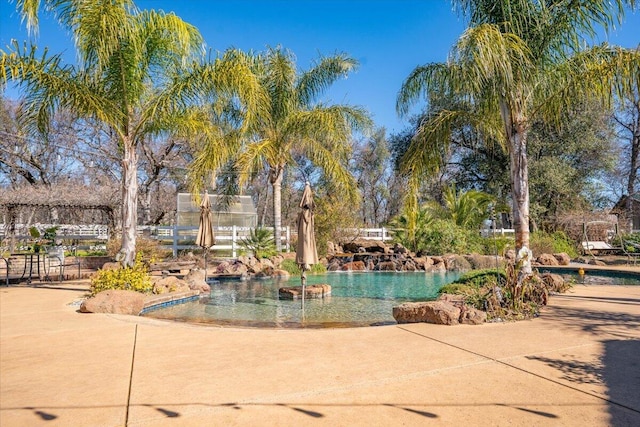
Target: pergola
[(33, 205)]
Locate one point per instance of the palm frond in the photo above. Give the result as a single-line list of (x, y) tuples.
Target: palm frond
[(322, 75), (279, 80)]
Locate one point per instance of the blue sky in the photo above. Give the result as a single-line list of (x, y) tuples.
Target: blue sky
[(388, 37)]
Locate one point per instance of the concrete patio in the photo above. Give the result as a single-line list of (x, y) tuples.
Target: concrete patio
[(576, 365)]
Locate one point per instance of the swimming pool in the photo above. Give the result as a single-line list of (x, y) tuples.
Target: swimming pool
[(595, 276), (357, 299)]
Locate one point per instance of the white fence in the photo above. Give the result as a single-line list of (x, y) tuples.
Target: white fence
[(489, 232), (64, 231), (226, 238), (382, 234), (179, 238)]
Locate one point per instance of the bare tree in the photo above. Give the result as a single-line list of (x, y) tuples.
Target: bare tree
[(627, 119)]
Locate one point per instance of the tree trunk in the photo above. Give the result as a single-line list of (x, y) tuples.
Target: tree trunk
[(635, 149), (275, 177), (129, 204), (520, 192), (516, 130), (145, 200)]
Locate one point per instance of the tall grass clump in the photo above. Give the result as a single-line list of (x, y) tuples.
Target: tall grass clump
[(292, 268), (505, 294)]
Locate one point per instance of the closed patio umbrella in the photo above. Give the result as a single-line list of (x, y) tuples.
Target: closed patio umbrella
[(306, 253), (205, 238)]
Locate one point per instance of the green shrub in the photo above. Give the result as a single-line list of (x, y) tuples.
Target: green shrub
[(259, 242), (475, 279), (631, 242), (498, 244), (553, 243), (443, 236), (290, 266), (134, 278), (150, 249)]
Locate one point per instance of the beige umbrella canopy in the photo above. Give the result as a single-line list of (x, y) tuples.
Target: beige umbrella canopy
[(306, 253), (205, 238)]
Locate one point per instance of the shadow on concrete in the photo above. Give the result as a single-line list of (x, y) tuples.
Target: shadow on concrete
[(611, 300), (621, 374), (310, 409), (618, 324), (618, 370)]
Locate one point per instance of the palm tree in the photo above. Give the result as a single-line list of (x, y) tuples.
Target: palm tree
[(292, 123), (519, 61), (466, 210), (139, 73)]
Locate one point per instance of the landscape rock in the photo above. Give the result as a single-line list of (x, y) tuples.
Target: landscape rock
[(437, 312), (386, 266), (111, 266), (472, 316), (114, 301), (196, 281), (547, 259), (423, 263), (479, 262), (563, 258), (399, 249), (439, 267), (368, 246), (456, 263), (265, 273), (409, 265), (283, 274), (554, 282), (163, 285), (353, 266), (310, 291)]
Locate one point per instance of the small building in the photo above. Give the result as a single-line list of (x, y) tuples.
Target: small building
[(628, 212), (227, 211)]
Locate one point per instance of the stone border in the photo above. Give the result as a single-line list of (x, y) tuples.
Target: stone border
[(162, 301)]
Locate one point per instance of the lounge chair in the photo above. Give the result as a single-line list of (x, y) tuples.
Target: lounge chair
[(593, 247)]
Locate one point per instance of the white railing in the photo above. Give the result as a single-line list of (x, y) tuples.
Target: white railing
[(381, 234), (229, 238), (488, 232), (64, 231), (179, 238)]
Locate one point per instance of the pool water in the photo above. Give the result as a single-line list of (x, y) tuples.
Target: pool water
[(598, 277), (357, 299)]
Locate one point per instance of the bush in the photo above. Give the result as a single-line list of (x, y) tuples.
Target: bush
[(150, 249), (504, 294), (259, 242), (630, 242), (444, 236), (134, 278), (290, 266), (545, 243), (499, 244), (480, 278)]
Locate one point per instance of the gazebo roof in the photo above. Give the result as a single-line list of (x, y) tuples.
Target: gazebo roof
[(72, 197)]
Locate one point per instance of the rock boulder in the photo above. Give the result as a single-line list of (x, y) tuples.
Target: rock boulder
[(310, 291), (437, 312), (472, 316), (114, 301), (353, 266), (163, 285), (547, 259), (562, 258), (196, 281)]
